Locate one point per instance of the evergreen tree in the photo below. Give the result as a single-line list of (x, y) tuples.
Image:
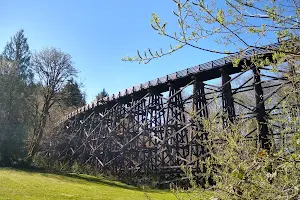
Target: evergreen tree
[(15, 104), (17, 50), (102, 94), (14, 114), (72, 95)]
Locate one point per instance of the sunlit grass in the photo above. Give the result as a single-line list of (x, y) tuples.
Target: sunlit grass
[(18, 184)]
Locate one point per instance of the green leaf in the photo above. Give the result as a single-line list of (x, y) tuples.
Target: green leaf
[(220, 16)]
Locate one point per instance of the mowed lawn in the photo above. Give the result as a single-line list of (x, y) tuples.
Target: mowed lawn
[(18, 184)]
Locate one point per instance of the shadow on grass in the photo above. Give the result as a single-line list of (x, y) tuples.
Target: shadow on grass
[(87, 178)]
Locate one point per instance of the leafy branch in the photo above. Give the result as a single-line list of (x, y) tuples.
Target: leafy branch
[(231, 26)]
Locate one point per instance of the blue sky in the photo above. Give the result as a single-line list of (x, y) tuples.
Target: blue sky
[(97, 34)]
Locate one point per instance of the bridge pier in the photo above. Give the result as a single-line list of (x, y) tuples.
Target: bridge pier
[(156, 128), (199, 99), (260, 111), (175, 136), (136, 135), (227, 98), (201, 112), (198, 134)]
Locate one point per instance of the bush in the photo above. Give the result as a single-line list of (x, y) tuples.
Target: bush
[(241, 169)]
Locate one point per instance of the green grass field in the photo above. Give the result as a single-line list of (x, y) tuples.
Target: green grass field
[(17, 184)]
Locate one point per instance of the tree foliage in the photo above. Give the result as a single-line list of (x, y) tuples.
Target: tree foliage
[(14, 114), (240, 170), (102, 94), (236, 25), (16, 94), (53, 68), (71, 95), (17, 50), (26, 104)]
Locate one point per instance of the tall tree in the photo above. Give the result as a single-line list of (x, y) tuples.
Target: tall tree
[(53, 68), (17, 50), (71, 94), (15, 92), (14, 114)]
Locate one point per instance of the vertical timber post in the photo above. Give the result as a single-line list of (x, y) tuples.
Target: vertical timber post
[(199, 100), (199, 107), (295, 87), (260, 111), (227, 98), (199, 135), (177, 149)]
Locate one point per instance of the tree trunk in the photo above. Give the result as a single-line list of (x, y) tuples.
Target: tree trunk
[(38, 132)]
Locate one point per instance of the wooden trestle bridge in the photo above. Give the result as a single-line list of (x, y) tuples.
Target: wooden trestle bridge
[(148, 129)]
